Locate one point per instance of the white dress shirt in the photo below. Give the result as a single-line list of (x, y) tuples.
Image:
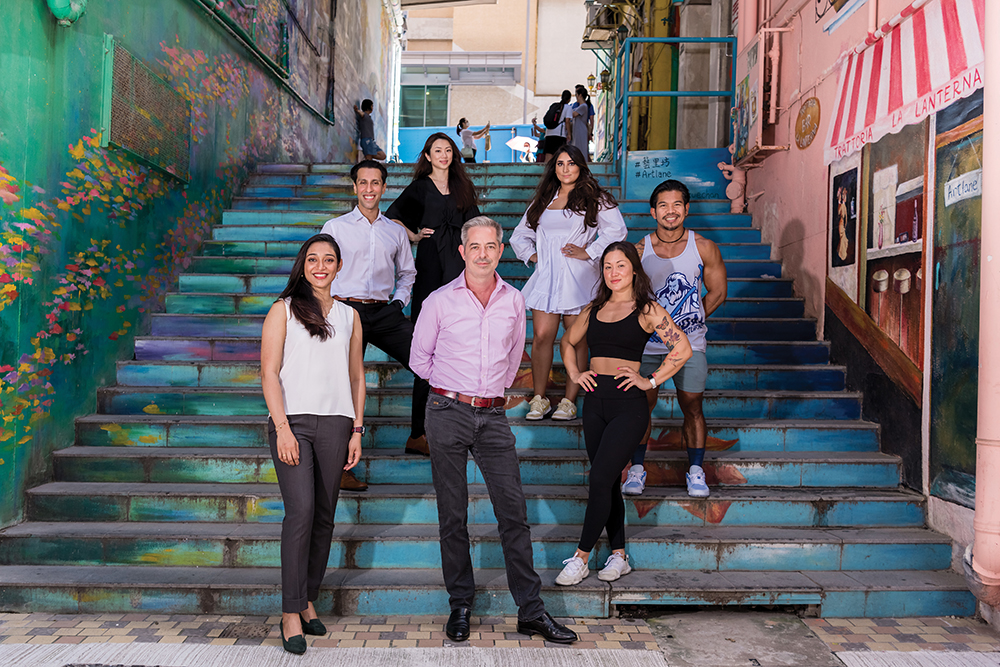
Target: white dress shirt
[(378, 260), (561, 284)]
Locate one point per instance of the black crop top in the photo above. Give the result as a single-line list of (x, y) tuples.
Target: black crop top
[(624, 339)]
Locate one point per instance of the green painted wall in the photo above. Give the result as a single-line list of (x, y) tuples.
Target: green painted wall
[(90, 239)]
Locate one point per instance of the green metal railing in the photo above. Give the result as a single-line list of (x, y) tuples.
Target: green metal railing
[(623, 70)]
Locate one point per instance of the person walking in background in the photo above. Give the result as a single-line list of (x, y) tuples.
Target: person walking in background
[(680, 263), (433, 208), (381, 278), (468, 343), (469, 140), (313, 377), (538, 132), (366, 127), (583, 121), (616, 326), (569, 223), (557, 125)]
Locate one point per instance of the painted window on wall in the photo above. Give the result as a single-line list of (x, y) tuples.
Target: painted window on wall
[(955, 300), (423, 106)]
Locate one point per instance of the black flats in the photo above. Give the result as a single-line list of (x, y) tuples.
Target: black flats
[(547, 627), (457, 627), (296, 644), (313, 627)]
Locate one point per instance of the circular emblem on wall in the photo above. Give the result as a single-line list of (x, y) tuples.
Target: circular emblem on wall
[(807, 124)]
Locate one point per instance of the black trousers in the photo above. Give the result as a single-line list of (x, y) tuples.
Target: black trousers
[(385, 327), (613, 422), (453, 430), (309, 492)]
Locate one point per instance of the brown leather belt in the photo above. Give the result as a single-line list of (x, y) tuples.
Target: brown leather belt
[(474, 401), (353, 300)]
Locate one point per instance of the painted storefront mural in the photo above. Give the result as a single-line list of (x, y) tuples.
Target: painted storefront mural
[(90, 238)]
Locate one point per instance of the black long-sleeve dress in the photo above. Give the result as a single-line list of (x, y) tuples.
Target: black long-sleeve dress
[(438, 262)]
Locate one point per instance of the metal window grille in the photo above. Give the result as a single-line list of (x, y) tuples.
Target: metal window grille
[(143, 115)]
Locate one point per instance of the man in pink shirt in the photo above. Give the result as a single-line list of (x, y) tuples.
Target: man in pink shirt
[(467, 343)]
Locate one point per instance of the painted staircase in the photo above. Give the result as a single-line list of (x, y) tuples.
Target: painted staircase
[(167, 501)]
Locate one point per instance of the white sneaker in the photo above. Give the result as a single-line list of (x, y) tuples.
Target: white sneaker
[(615, 566), (565, 411), (635, 483), (539, 406), (697, 488), (576, 570)]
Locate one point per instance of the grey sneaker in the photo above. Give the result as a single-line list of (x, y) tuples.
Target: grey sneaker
[(539, 406), (565, 411), (614, 567), (635, 483), (576, 570), (697, 488)]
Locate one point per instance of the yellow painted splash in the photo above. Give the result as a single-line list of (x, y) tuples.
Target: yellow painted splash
[(152, 409)]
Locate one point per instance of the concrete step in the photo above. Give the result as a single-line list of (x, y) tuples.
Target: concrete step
[(397, 403), (534, 168), (507, 268), (386, 433), (416, 546), (257, 591), (290, 248), (405, 504), (223, 348), (289, 230), (175, 465), (719, 328), (384, 375), (400, 179), (222, 303)]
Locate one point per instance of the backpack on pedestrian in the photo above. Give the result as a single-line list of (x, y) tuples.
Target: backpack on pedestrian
[(552, 116)]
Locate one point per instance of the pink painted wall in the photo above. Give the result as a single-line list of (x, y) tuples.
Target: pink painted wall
[(792, 212)]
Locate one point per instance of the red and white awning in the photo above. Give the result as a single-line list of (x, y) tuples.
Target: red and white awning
[(930, 56)]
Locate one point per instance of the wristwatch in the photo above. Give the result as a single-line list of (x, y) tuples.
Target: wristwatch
[(652, 378), (358, 429)]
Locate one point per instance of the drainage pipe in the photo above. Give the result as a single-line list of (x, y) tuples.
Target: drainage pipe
[(984, 575), (67, 11)]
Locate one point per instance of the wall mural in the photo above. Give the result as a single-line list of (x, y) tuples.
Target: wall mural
[(90, 239)]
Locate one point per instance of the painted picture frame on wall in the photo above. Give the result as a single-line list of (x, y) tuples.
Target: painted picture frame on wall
[(844, 218)]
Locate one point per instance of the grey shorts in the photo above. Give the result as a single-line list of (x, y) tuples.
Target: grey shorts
[(690, 378)]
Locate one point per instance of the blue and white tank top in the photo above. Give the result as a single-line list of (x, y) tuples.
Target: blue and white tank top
[(315, 375), (677, 284)]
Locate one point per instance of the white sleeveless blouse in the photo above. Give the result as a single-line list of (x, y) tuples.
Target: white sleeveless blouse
[(315, 377)]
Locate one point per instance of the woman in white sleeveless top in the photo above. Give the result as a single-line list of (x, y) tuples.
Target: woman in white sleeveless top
[(312, 373)]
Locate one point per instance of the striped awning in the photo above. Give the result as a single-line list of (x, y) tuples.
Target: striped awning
[(931, 54)]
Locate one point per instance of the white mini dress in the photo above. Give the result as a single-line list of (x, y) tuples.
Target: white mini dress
[(564, 285)]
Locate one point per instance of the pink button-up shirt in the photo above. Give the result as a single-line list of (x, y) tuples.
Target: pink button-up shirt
[(460, 346)]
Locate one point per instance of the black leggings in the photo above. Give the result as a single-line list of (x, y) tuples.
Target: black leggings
[(613, 423)]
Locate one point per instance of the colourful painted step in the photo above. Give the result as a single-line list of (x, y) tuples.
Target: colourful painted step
[(415, 546), (403, 504), (223, 432)]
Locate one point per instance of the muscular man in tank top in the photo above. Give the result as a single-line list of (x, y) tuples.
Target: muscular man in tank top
[(680, 264)]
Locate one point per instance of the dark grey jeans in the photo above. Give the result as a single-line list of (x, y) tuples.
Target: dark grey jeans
[(453, 430), (309, 492)]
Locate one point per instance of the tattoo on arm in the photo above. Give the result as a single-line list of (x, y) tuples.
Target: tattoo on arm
[(668, 334)]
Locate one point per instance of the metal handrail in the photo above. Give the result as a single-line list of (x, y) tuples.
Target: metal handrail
[(622, 92)]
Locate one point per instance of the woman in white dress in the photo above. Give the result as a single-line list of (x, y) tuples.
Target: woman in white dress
[(569, 223)]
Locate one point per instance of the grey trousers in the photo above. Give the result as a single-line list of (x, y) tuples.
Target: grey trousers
[(309, 492), (453, 430)]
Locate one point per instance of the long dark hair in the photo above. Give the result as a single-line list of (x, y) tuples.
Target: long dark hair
[(305, 306), (642, 289), (587, 196), (459, 183)]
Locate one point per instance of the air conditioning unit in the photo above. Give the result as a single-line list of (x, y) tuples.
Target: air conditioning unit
[(603, 21)]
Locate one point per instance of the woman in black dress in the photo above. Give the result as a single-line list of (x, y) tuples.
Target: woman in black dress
[(433, 209)]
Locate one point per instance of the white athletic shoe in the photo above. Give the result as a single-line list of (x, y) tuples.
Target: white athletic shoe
[(697, 488), (539, 406), (615, 566), (635, 483), (576, 570), (565, 411)]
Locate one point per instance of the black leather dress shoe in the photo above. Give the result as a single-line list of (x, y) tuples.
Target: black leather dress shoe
[(547, 627), (457, 627)]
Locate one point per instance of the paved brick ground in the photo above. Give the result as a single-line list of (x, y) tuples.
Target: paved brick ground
[(905, 634), (368, 632)]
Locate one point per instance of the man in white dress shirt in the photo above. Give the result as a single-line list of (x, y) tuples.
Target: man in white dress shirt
[(377, 278)]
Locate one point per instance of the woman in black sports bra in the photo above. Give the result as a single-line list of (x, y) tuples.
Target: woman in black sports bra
[(617, 325)]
